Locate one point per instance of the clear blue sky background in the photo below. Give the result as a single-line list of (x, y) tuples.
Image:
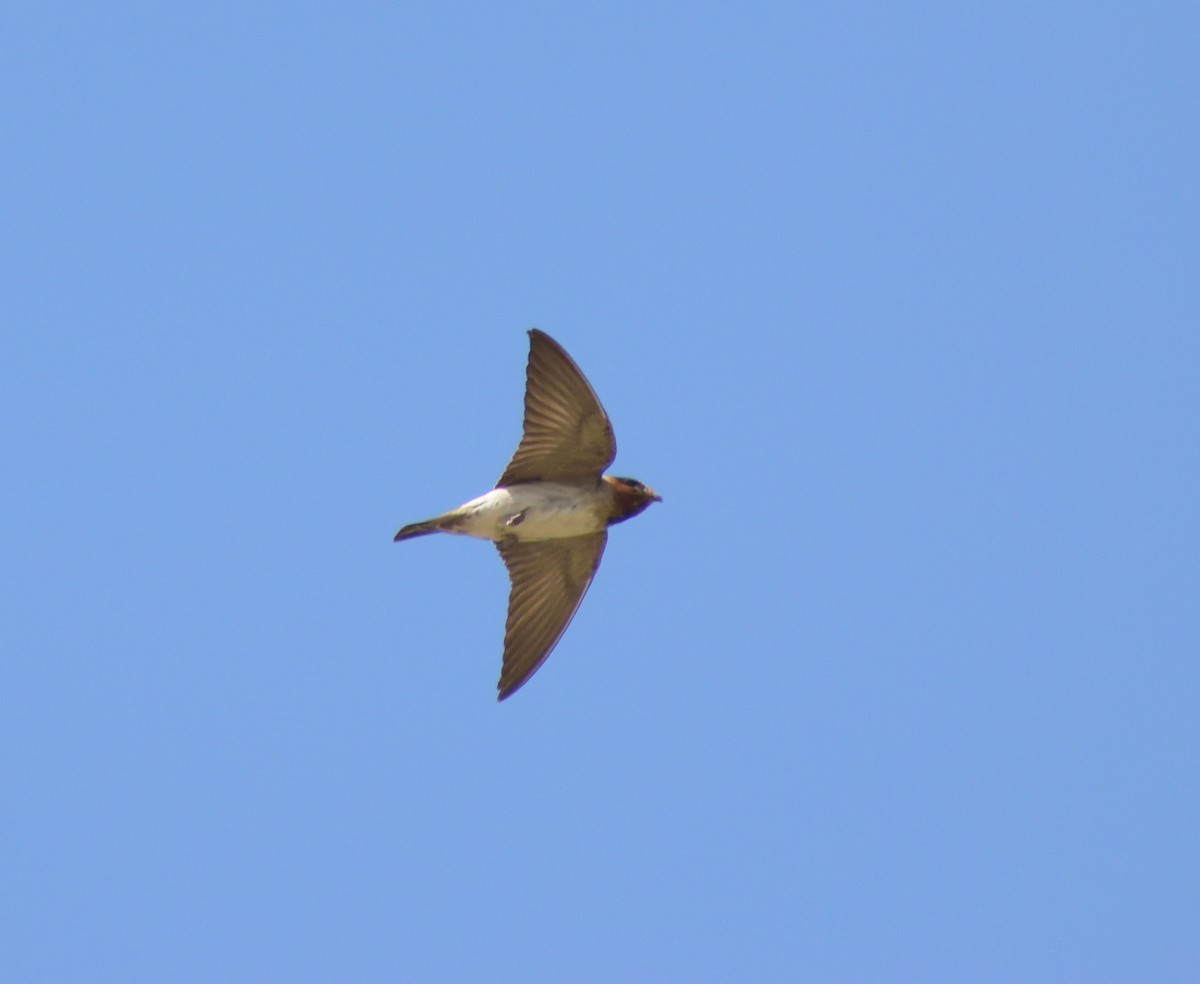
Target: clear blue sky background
[(897, 306)]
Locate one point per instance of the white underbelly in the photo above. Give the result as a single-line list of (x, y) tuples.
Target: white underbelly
[(540, 511)]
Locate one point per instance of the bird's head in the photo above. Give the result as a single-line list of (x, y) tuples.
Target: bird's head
[(630, 497)]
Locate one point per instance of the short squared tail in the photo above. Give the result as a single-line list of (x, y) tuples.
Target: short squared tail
[(438, 524), (413, 530)]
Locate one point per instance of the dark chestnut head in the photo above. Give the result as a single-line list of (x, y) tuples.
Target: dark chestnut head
[(630, 497)]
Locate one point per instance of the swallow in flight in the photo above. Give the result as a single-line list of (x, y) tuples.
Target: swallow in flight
[(550, 512)]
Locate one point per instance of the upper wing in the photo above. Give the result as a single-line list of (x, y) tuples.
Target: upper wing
[(567, 434), (549, 579)]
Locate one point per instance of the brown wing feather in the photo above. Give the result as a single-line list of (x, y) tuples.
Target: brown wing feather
[(549, 579), (567, 434)]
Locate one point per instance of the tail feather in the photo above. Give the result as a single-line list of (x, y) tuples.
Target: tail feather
[(419, 529)]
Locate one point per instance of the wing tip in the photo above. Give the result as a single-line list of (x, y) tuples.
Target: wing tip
[(506, 690)]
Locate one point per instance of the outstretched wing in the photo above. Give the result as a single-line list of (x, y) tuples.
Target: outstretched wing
[(549, 579), (567, 434)]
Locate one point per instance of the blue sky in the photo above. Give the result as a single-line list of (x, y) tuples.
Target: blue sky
[(896, 306)]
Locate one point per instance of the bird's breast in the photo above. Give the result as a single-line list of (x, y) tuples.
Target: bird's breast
[(536, 511)]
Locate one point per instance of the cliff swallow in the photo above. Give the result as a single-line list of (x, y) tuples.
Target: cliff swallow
[(549, 513)]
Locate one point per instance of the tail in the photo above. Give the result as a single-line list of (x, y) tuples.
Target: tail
[(435, 525)]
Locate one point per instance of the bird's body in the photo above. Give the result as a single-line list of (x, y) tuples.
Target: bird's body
[(530, 511), (549, 514)]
